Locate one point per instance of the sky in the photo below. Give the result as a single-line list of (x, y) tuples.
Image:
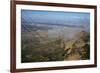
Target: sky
[(56, 17)]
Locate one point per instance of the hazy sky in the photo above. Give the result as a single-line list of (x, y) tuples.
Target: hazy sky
[(56, 17)]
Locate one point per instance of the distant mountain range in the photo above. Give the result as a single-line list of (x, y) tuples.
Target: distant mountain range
[(29, 28), (44, 26)]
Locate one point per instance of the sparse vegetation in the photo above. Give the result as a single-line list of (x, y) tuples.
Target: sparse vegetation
[(38, 48)]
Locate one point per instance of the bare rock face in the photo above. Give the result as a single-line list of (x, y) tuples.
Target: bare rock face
[(78, 49), (73, 57)]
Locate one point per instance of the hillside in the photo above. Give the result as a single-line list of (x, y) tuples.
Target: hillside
[(41, 44)]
